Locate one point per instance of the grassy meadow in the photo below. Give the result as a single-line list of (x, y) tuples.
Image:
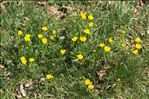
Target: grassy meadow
[(56, 49)]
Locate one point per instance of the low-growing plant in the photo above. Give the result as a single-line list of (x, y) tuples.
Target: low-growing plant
[(90, 54)]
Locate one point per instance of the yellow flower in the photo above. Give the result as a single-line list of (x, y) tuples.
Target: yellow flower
[(74, 39), (49, 76), (90, 17), (88, 82), (40, 36), (138, 46), (80, 56), (20, 32), (138, 39), (62, 51), (27, 37), (101, 44), (107, 49), (83, 15), (53, 32), (90, 86), (44, 28), (83, 38), (44, 40), (91, 24), (23, 60), (87, 31), (123, 45), (135, 51), (110, 40), (31, 60)]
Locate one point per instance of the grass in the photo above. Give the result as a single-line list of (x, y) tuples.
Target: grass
[(115, 74)]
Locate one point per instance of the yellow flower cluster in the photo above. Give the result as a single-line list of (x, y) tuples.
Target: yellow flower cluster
[(137, 46), (90, 17), (89, 84), (86, 31), (106, 48), (90, 24), (82, 38), (52, 37), (27, 37), (84, 16), (24, 61), (44, 39)]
